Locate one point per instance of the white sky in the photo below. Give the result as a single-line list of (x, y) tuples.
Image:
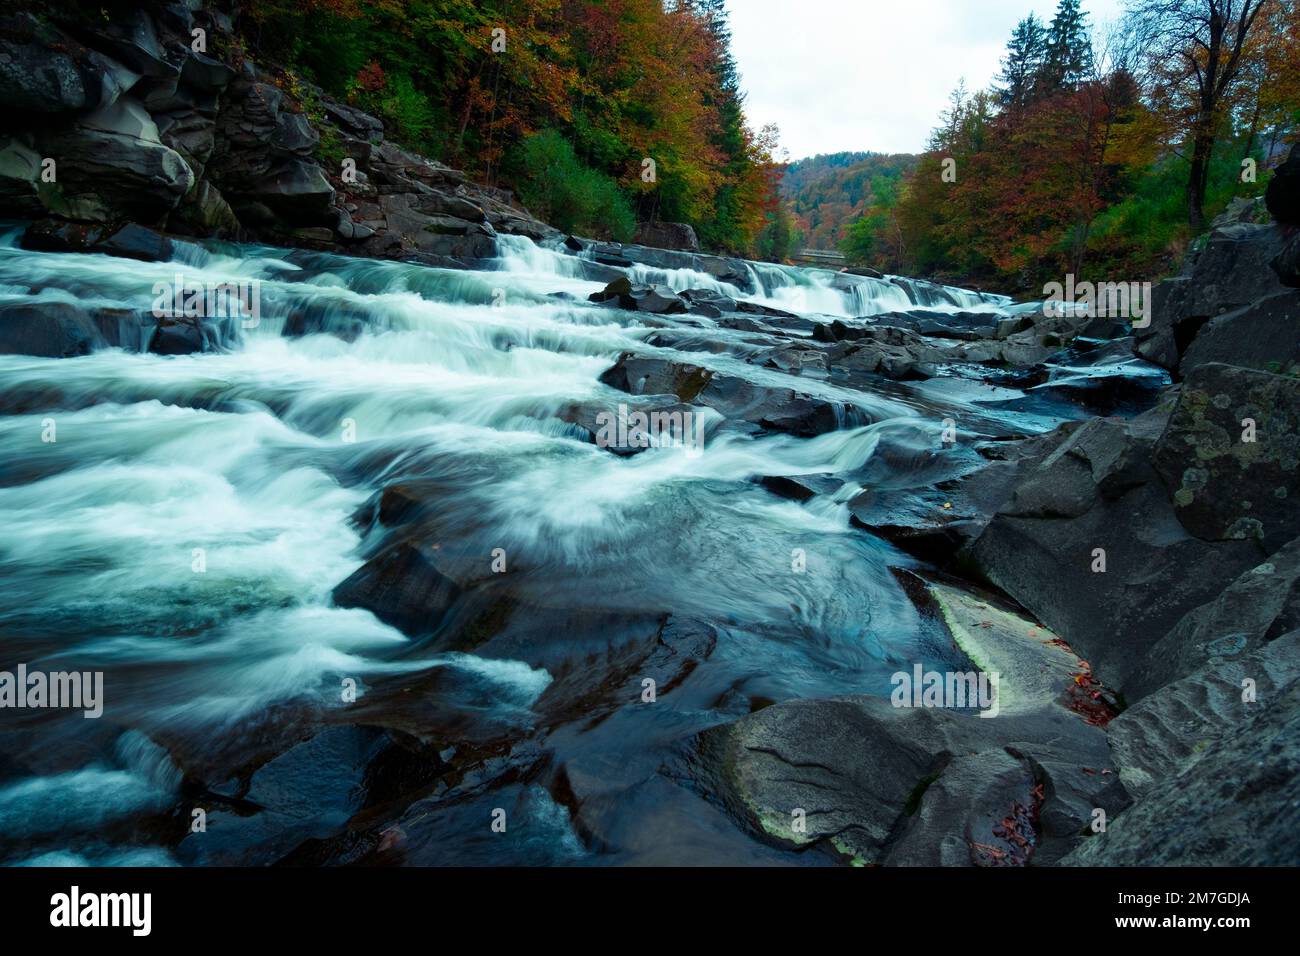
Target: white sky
[(871, 74)]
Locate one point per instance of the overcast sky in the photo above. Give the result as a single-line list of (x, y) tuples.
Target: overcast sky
[(871, 74)]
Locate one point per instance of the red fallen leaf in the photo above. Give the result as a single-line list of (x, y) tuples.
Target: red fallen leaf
[(1090, 770)]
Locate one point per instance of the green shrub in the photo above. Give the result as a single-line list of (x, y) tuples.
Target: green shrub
[(557, 187)]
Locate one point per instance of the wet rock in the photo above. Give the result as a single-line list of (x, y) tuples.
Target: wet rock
[(403, 586), (1231, 455), (871, 781), (128, 242), (180, 336), (801, 487), (48, 329), (339, 318), (935, 523), (656, 299), (309, 792), (778, 409)]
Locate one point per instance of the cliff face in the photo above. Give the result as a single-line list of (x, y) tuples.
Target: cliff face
[(159, 119)]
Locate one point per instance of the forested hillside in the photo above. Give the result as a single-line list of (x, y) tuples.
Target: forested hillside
[(1103, 156), (598, 114), (827, 193)]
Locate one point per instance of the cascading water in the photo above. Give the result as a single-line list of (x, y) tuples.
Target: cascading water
[(183, 526)]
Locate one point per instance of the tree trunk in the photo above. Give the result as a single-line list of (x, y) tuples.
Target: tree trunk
[(1199, 177)]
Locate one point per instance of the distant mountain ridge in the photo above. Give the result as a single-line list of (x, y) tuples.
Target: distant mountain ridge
[(829, 191)]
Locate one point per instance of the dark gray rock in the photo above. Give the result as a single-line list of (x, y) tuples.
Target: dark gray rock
[(668, 235), (1234, 806), (1043, 546), (1283, 193), (1287, 263), (402, 586), (43, 70), (1225, 487), (1264, 335), (128, 242), (1161, 735), (112, 165)]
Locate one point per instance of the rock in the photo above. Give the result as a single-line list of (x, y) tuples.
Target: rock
[(304, 794), (354, 121), (204, 73), (20, 170), (1234, 806), (401, 586), (1162, 340), (1283, 193), (668, 235), (128, 242), (657, 299), (112, 165), (1287, 263), (48, 329), (1167, 731), (801, 487), (1231, 479), (319, 316), (44, 71), (777, 409), (182, 335), (878, 783), (295, 189), (131, 39), (935, 523), (1045, 547), (1263, 335)]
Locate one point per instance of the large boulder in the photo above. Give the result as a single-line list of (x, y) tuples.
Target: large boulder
[(128, 242), (112, 165), (402, 586), (1230, 456), (875, 782), (1283, 193), (1264, 335), (20, 186), (44, 71), (1089, 542), (64, 329), (668, 235), (1259, 606), (1217, 770), (1233, 271), (776, 409)]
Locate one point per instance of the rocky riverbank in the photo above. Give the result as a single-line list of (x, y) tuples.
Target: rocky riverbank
[(1099, 511)]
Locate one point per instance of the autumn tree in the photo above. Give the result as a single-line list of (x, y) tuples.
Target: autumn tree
[(1196, 50)]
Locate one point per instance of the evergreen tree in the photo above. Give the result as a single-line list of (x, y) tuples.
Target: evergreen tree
[(1021, 65), (1068, 60)]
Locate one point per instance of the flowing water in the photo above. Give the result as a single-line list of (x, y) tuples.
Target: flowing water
[(185, 528)]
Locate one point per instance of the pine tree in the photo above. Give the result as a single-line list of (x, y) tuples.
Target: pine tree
[(1068, 58), (1025, 52)]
